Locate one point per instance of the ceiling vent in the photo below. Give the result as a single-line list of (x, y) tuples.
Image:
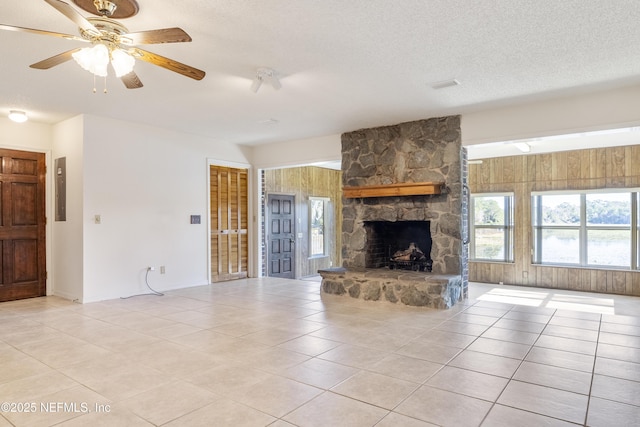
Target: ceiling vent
[(445, 83)]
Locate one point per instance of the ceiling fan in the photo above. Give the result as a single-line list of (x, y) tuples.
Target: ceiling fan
[(112, 42)]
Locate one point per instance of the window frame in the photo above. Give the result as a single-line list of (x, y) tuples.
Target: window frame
[(583, 228), (325, 207), (508, 227)]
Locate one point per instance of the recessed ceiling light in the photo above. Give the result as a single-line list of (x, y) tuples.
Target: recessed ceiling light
[(522, 146), (18, 116), (445, 83)]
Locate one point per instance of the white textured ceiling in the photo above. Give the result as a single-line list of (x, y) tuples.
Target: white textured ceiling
[(343, 65)]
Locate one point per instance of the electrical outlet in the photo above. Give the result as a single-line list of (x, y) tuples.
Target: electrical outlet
[(162, 270), (151, 268)]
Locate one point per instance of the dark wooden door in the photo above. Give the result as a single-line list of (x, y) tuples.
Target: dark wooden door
[(22, 225), (281, 236)]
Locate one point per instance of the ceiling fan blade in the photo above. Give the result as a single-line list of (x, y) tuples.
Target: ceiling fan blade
[(71, 13), (164, 35), (45, 64), (131, 81), (41, 32), (167, 63)]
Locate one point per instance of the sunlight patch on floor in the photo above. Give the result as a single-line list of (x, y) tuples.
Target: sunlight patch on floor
[(509, 296), (579, 303), (591, 304)]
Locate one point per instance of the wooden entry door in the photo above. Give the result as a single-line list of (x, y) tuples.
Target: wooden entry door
[(22, 225), (281, 236), (229, 223)]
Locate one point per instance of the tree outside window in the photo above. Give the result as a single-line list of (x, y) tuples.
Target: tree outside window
[(492, 227), (587, 228), (317, 213)]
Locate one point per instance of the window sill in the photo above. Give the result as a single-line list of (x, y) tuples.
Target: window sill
[(490, 261), (586, 267)]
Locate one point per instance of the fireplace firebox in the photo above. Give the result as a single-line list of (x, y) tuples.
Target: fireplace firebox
[(404, 245)]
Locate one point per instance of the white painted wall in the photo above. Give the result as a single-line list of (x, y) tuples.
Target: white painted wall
[(589, 112), (145, 183), (29, 136), (298, 153), (66, 246)]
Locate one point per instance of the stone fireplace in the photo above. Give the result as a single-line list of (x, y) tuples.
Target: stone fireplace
[(378, 224)]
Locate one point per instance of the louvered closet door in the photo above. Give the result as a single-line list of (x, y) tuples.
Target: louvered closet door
[(229, 223)]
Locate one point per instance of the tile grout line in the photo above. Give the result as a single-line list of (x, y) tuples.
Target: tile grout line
[(593, 371)]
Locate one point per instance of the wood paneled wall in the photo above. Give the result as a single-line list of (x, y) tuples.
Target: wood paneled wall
[(614, 167), (305, 182)]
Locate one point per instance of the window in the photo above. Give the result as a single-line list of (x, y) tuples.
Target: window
[(317, 223), (492, 227), (588, 228)]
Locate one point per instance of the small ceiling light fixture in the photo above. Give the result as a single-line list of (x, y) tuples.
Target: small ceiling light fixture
[(522, 146), (18, 116), (265, 75)]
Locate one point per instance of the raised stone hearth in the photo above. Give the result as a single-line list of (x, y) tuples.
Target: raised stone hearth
[(407, 287)]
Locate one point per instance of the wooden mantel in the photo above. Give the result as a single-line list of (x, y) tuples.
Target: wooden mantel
[(390, 190)]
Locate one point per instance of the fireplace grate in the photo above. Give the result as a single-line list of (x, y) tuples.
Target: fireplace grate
[(410, 259), (425, 265)]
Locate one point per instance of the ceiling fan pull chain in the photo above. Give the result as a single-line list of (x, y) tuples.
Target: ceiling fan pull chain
[(94, 83), (105, 84)]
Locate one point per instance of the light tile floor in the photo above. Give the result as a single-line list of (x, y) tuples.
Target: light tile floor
[(275, 352)]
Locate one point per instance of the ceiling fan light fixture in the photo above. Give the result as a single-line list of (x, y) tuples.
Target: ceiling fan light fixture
[(107, 36), (93, 59), (18, 116), (122, 62)]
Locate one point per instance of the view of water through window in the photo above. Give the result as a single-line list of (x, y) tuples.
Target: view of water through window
[(592, 229)]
